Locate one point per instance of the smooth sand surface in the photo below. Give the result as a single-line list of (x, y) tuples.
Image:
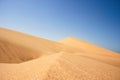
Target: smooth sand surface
[(93, 51), (25, 57)]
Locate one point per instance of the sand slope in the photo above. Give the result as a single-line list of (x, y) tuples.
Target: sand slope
[(17, 47), (87, 47), (60, 66), (93, 51), (36, 58), (13, 53)]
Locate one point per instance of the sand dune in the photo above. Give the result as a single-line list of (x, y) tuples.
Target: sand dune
[(94, 51), (87, 47), (36, 58), (21, 47), (11, 53)]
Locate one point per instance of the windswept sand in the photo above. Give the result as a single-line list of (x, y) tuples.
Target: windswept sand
[(25, 57)]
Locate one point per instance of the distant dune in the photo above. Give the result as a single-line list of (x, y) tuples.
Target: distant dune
[(25, 57), (93, 51)]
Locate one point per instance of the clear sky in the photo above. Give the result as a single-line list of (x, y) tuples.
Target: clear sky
[(95, 21)]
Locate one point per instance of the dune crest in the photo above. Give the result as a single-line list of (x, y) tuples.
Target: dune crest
[(88, 47), (93, 51), (36, 58)]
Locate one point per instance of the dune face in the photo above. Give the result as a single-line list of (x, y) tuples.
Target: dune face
[(87, 47), (93, 51), (13, 53), (25, 57), (17, 47)]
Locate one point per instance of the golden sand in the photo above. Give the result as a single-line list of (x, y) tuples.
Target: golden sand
[(25, 57)]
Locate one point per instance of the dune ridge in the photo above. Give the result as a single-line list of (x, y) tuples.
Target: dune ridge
[(93, 51), (36, 58), (88, 47)]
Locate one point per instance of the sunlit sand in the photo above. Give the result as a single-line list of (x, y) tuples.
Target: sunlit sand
[(26, 57)]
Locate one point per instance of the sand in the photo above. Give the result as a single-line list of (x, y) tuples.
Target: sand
[(26, 57)]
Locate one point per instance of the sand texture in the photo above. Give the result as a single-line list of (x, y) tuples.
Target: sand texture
[(26, 57)]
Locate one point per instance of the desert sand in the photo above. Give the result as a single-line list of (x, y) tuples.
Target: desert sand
[(26, 57)]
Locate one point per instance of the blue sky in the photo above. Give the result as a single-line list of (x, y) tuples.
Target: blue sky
[(95, 21)]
